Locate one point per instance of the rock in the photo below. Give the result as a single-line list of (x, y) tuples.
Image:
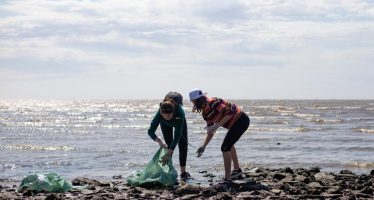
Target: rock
[(224, 195), (208, 192), (346, 172), (315, 170), (285, 187), (203, 172), (52, 197), (372, 172), (334, 190), (346, 177), (279, 176), (209, 175), (287, 170), (80, 181), (6, 196), (276, 191), (367, 190), (189, 189), (117, 177), (325, 179), (261, 170), (315, 185)]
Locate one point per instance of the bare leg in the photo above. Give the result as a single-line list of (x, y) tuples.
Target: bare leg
[(227, 164), (234, 157)]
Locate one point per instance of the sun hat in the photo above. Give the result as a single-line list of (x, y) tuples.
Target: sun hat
[(195, 94)]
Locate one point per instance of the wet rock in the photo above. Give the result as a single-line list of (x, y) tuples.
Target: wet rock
[(325, 179), (287, 170), (315, 185), (224, 195), (189, 189), (117, 177), (279, 176), (52, 197), (6, 196), (203, 172), (346, 172), (208, 192), (367, 190), (372, 172), (315, 170), (29, 193), (346, 177), (261, 170), (80, 181), (334, 190), (209, 175)]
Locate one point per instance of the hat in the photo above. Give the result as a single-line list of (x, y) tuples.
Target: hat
[(195, 94)]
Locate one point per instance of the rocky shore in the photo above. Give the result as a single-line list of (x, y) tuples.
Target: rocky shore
[(259, 183)]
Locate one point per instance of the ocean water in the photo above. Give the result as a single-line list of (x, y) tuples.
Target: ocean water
[(100, 139)]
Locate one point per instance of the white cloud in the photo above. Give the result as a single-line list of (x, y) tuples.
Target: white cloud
[(254, 39)]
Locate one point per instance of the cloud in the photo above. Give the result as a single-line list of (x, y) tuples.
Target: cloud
[(118, 39)]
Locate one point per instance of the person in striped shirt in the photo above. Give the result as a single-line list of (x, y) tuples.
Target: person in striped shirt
[(218, 112)]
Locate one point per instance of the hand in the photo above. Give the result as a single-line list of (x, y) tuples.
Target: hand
[(164, 160), (212, 128), (162, 145), (200, 151)]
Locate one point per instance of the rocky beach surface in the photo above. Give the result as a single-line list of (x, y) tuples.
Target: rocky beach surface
[(257, 183)]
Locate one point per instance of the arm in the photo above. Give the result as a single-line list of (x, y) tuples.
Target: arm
[(152, 129), (214, 127), (201, 149)]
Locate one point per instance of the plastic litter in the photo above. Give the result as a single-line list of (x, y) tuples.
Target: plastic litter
[(50, 182), (154, 173)]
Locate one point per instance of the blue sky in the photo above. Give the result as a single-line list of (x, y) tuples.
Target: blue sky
[(265, 49)]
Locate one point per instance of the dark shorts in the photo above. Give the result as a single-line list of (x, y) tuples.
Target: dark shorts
[(235, 132)]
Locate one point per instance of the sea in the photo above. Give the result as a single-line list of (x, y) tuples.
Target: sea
[(105, 138)]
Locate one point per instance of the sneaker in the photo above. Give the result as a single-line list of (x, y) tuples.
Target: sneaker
[(223, 186), (236, 174), (186, 175)]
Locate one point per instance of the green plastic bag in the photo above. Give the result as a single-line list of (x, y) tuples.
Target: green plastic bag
[(51, 182), (154, 173)]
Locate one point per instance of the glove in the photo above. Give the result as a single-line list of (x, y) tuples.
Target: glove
[(200, 151)]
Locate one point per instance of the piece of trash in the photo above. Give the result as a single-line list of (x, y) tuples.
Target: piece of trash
[(50, 182), (155, 173)]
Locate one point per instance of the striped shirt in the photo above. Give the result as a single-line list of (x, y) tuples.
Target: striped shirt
[(216, 109)]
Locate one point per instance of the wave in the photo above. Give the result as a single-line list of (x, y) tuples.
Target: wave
[(263, 129), (360, 164), (326, 121), (363, 130), (305, 115), (8, 166), (29, 147)]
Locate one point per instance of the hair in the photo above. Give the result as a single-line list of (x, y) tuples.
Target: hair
[(167, 107), (199, 103)]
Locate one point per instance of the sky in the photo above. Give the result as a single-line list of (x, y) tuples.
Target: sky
[(126, 49)]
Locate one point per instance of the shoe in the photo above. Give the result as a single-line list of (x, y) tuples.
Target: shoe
[(186, 175), (223, 186), (236, 174)]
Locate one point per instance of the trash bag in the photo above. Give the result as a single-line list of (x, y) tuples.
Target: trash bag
[(50, 182), (154, 173)]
